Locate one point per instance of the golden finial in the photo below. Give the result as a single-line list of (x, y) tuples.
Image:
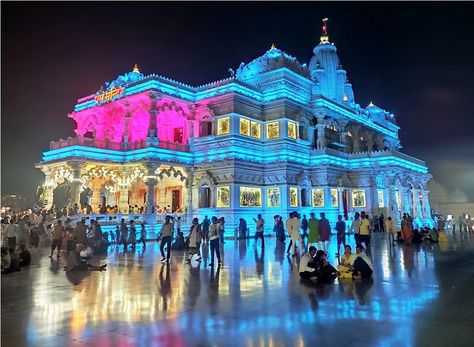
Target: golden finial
[(135, 68), (273, 47), (371, 103), (325, 36)]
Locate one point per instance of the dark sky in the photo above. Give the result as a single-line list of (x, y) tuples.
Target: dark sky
[(413, 59)]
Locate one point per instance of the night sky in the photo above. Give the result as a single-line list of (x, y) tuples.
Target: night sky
[(415, 60)]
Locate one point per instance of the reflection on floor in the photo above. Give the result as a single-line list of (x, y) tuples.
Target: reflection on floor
[(420, 295)]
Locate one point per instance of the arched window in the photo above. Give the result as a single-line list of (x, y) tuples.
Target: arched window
[(205, 128), (332, 137), (204, 196)]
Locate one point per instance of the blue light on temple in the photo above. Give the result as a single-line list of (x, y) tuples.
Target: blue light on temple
[(276, 122)]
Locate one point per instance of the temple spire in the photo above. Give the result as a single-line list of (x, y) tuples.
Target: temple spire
[(135, 68), (325, 36)]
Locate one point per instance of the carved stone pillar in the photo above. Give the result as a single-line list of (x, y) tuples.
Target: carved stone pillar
[(150, 196), (152, 139), (213, 196), (189, 190), (48, 193), (393, 205), (310, 134), (370, 143), (123, 200), (417, 210), (339, 200), (76, 184), (426, 204), (321, 140)]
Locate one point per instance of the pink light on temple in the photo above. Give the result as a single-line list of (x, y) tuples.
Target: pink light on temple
[(171, 122), (114, 122)]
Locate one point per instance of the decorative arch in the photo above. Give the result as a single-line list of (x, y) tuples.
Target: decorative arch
[(172, 123), (59, 176), (171, 171), (101, 173)]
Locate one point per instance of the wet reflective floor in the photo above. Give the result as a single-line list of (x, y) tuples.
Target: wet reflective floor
[(421, 295)]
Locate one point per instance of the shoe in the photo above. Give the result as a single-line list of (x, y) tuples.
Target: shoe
[(188, 260), (167, 261), (162, 260)]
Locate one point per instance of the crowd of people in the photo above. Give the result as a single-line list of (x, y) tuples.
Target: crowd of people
[(79, 241)]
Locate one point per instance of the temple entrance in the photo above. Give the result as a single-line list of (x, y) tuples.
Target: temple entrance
[(178, 135), (204, 197), (345, 204), (304, 194), (175, 200)]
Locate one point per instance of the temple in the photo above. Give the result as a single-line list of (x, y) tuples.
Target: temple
[(276, 136)]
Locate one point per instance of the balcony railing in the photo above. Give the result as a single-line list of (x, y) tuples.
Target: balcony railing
[(106, 144)]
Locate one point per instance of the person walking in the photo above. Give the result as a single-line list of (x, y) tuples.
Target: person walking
[(390, 230), (304, 226), (123, 234), (132, 237), (205, 229), (58, 233), (313, 225), (293, 227), (214, 241), (355, 228), (324, 232), (166, 238), (194, 240), (341, 233), (143, 234), (259, 229), (365, 232), (382, 223)]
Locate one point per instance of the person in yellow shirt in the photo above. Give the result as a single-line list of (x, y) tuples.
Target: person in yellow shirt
[(364, 232), (346, 263)]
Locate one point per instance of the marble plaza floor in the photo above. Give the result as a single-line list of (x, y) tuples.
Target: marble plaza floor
[(420, 296)]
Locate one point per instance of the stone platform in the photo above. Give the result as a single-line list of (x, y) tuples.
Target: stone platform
[(421, 295)]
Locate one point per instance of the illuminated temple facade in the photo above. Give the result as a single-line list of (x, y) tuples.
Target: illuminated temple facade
[(276, 136)]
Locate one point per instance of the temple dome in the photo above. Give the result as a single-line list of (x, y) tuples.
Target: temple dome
[(273, 59), (326, 70)]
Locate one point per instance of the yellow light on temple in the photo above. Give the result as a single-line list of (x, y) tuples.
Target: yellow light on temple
[(135, 68), (273, 47), (344, 98)]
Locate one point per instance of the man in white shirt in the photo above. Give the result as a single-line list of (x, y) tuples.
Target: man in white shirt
[(11, 234), (307, 267), (293, 227)]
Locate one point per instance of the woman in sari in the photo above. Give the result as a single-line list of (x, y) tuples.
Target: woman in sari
[(345, 266), (406, 229), (325, 271)]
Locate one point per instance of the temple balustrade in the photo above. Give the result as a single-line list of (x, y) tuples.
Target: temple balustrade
[(106, 144)]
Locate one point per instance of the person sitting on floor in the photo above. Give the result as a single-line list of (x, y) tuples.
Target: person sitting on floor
[(75, 263), (24, 256), (325, 271), (345, 266), (363, 267), (307, 267), (179, 243), (6, 261), (432, 236), (417, 237)]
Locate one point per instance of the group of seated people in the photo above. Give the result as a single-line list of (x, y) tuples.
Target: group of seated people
[(13, 261), (76, 263), (424, 234), (315, 267)]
